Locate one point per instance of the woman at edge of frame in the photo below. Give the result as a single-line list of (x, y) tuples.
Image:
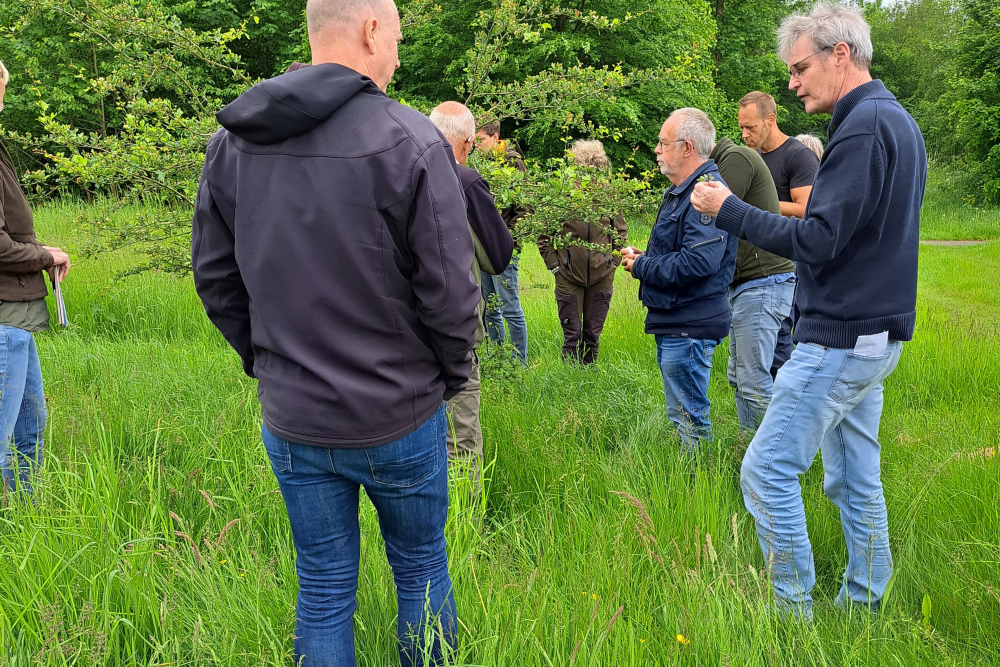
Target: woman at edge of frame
[(23, 263)]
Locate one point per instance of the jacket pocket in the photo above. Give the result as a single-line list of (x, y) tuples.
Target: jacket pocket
[(706, 242)]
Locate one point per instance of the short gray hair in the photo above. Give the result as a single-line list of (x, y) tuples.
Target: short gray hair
[(323, 13), (695, 126), (827, 25), (4, 74), (589, 153), (812, 142), (455, 121)]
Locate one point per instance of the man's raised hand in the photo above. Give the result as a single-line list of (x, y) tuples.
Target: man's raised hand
[(708, 197)]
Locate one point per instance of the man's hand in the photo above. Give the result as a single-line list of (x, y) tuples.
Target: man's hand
[(708, 197), (60, 263), (629, 255)]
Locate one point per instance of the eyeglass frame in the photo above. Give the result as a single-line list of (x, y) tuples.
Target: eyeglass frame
[(471, 140), (793, 70), (660, 142)]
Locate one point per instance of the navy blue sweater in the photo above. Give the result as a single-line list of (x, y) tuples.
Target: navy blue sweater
[(856, 248)]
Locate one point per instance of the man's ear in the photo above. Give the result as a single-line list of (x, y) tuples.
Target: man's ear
[(772, 119), (842, 52), (369, 36)]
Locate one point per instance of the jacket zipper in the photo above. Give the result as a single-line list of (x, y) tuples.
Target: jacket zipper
[(718, 238)]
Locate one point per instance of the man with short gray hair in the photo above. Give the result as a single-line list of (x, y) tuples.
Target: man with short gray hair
[(684, 277), (855, 251), (330, 247), (494, 247)]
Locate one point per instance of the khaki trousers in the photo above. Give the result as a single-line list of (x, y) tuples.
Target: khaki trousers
[(465, 434)]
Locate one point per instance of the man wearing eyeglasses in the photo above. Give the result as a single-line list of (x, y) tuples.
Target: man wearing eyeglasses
[(855, 250), (494, 246), (684, 277)]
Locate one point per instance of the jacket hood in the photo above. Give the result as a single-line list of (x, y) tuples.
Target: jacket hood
[(293, 103)]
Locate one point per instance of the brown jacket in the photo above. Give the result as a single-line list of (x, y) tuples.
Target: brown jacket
[(22, 258), (580, 265)]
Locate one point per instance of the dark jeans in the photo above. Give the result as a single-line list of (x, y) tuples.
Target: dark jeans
[(407, 482), (582, 312)]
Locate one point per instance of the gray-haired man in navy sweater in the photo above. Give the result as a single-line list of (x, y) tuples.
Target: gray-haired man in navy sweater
[(856, 254)]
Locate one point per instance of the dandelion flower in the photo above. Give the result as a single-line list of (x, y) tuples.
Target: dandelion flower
[(593, 596), (223, 561), (682, 640)]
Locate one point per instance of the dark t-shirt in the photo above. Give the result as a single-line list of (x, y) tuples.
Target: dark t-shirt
[(792, 165)]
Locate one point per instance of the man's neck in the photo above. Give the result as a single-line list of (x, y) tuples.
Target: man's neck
[(774, 140), (338, 53), (678, 179), (854, 79)]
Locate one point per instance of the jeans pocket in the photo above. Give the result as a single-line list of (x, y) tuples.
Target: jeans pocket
[(410, 460), (277, 451), (858, 373)]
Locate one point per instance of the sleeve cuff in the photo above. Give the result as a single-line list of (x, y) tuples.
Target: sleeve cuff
[(731, 215), (637, 267)]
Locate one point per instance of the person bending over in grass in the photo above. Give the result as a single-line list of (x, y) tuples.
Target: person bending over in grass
[(494, 246), (585, 278), (331, 248), (855, 251), (684, 277), (23, 262)]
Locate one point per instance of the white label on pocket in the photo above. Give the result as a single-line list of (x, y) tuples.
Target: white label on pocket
[(872, 346)]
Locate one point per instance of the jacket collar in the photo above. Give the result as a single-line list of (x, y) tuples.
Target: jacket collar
[(678, 190), (874, 89)]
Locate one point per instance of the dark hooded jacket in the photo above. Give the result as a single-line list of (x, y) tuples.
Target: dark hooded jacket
[(330, 247)]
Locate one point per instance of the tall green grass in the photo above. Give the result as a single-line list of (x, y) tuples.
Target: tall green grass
[(157, 536)]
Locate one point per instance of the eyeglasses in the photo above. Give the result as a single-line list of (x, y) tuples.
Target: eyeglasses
[(471, 140), (795, 71), (661, 142)]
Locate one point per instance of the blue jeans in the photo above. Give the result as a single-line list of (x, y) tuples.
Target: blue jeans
[(757, 316), (22, 407), (831, 400), (509, 309), (686, 365), (407, 482)]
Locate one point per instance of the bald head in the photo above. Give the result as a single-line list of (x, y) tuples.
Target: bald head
[(458, 126), (323, 14), (363, 35)]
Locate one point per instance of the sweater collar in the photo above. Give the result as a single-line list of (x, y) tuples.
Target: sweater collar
[(874, 89), (678, 190)]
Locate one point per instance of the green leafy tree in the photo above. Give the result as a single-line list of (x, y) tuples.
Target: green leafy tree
[(975, 97), (161, 82)]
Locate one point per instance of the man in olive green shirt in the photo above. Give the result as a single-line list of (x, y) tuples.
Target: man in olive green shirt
[(761, 294)]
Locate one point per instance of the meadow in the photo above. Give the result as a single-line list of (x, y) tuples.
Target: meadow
[(157, 535)]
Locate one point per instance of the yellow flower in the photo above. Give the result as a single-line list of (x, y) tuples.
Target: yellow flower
[(584, 593), (243, 575), (593, 596), (684, 641), (642, 641), (223, 561)]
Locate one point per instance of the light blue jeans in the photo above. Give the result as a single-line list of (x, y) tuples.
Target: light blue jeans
[(686, 365), (831, 400), (22, 408), (505, 287), (757, 316)]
